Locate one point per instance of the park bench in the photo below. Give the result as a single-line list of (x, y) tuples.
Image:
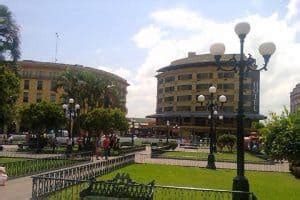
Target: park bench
[(122, 187)]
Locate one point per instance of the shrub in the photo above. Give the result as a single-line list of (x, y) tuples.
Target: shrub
[(226, 140)]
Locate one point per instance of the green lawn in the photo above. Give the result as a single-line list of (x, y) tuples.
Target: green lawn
[(202, 155), (7, 160), (265, 185)]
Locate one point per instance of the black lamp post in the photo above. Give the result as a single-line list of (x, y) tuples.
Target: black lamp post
[(241, 64), (71, 111), (213, 107), (168, 133), (132, 131)]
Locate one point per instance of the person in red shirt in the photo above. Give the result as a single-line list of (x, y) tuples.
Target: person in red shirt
[(106, 146)]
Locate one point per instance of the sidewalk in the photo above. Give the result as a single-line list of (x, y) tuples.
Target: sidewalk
[(17, 189), (145, 157)]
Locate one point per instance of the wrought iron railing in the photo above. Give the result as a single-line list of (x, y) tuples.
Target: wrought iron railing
[(160, 158), (53, 183), (181, 193), (73, 188), (37, 165)]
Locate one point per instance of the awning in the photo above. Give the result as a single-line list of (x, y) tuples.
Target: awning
[(203, 114)]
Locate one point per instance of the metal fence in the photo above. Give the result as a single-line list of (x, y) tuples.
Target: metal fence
[(254, 166), (73, 189), (53, 183), (30, 166)]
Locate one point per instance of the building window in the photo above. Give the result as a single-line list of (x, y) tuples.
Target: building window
[(160, 100), (228, 108), (26, 84), (201, 76), (200, 108), (160, 81), (39, 74), (185, 77), (169, 79), (53, 85), (184, 98), (159, 110), (38, 97), (203, 86), (225, 86), (184, 87), (169, 99), (169, 89), (25, 97), (225, 74), (168, 109), (160, 91), (53, 97), (247, 86), (248, 109), (183, 108), (39, 85), (247, 98)]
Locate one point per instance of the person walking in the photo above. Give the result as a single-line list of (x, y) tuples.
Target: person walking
[(3, 176), (106, 146)]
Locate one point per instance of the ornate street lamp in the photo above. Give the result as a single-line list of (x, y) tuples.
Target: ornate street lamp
[(168, 134), (213, 108), (132, 131), (71, 111), (241, 64)]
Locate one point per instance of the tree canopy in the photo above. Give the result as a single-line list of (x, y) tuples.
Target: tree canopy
[(9, 91), (9, 35), (104, 121), (89, 89), (283, 140), (42, 117)]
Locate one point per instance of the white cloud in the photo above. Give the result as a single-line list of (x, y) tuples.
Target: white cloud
[(293, 7), (148, 36), (276, 83), (120, 71)]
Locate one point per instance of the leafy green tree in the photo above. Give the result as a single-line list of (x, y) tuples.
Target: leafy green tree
[(9, 35), (226, 140), (281, 133), (89, 89), (42, 117), (9, 91), (119, 119)]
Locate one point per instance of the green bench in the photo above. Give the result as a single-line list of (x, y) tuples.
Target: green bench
[(122, 187)]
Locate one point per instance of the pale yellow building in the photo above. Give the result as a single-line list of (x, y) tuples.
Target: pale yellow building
[(180, 83), (38, 81)]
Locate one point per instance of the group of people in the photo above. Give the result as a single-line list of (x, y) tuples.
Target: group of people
[(110, 142)]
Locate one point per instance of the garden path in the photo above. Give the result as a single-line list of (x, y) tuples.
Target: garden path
[(145, 157)]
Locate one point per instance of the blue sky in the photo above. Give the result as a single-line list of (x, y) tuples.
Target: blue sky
[(131, 38)]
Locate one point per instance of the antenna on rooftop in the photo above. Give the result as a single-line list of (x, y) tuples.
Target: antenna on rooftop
[(56, 42)]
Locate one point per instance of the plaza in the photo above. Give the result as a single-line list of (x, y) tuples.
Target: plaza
[(169, 112)]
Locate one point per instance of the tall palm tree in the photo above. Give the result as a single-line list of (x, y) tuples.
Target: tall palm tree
[(9, 36)]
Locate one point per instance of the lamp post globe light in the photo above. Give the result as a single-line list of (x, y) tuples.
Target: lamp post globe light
[(71, 110), (212, 107), (241, 65)]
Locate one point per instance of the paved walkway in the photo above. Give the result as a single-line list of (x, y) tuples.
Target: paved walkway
[(17, 189), (145, 157)]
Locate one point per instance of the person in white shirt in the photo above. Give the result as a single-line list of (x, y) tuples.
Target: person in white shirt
[(3, 176)]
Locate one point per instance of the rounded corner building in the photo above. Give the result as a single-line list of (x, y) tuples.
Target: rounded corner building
[(180, 84)]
